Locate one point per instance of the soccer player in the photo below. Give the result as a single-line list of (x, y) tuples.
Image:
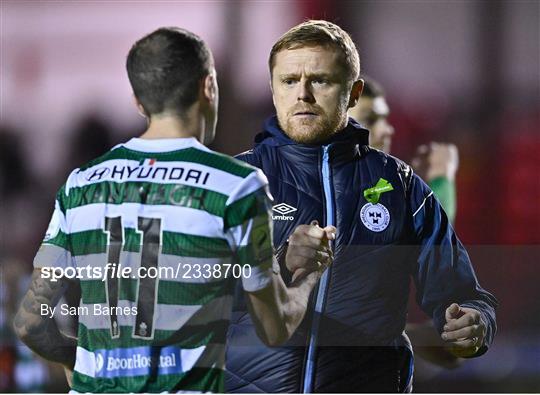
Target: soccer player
[(156, 231), (390, 229)]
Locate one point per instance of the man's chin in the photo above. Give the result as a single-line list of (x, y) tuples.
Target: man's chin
[(386, 147), (307, 133)]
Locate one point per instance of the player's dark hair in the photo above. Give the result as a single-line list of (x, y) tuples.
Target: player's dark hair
[(372, 88), (165, 69)]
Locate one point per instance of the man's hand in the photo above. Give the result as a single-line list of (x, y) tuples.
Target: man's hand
[(436, 160), (277, 310), (309, 249), (464, 331)]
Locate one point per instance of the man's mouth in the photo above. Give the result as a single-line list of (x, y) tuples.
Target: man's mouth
[(305, 113)]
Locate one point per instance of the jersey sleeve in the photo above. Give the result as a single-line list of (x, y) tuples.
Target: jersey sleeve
[(247, 221), (444, 273), (55, 248)]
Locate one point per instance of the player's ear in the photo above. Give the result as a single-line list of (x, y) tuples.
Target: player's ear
[(210, 87), (356, 92), (140, 108)]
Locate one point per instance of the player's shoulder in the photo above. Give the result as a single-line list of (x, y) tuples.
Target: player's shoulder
[(227, 163), (78, 176), (250, 179)]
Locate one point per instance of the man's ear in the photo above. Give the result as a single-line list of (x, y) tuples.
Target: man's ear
[(272, 91), (210, 87), (140, 108), (356, 92)]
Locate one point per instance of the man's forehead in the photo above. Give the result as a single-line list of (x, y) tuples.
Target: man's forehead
[(316, 59)]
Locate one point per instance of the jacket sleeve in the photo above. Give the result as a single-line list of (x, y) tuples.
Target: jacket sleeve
[(444, 273)]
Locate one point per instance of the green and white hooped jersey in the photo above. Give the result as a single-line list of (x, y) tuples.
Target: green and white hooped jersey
[(171, 205)]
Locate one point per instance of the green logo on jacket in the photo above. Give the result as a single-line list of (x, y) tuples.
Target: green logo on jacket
[(373, 194)]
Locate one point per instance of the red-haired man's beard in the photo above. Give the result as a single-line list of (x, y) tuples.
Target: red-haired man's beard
[(310, 124)]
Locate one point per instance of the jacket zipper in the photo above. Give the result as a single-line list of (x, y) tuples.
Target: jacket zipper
[(309, 371)]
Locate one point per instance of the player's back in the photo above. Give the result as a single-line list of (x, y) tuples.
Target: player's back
[(156, 230)]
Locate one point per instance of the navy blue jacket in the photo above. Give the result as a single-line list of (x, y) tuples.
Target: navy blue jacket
[(352, 339)]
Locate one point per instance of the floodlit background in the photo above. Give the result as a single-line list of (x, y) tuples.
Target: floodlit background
[(465, 72)]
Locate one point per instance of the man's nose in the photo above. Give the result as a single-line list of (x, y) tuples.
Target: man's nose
[(304, 92)]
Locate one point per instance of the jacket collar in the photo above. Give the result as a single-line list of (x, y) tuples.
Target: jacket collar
[(344, 145)]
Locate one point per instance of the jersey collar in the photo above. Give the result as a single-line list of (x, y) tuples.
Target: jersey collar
[(161, 145)]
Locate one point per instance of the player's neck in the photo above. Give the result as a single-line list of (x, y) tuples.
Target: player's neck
[(165, 126)]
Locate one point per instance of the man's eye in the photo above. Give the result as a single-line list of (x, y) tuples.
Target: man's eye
[(319, 81), (288, 81)]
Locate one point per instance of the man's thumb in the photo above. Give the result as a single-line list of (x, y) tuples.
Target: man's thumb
[(452, 312)]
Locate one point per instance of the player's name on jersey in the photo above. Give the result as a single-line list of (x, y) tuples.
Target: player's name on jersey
[(145, 173), (173, 194), (96, 309)]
